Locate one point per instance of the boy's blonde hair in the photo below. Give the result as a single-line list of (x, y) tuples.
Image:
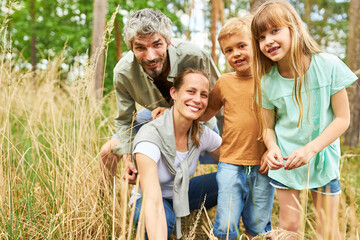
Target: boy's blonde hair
[(280, 13), (233, 26)]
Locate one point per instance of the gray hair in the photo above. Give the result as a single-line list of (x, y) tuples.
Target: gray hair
[(147, 22)]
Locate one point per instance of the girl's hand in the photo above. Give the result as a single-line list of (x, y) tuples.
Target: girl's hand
[(299, 157), (157, 112), (274, 159)]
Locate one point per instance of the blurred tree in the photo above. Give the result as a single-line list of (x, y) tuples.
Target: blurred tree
[(232, 8), (255, 4), (190, 12), (33, 35), (61, 25), (54, 23), (97, 47), (351, 136), (221, 12), (118, 37), (213, 30), (327, 22), (307, 13), (217, 14)]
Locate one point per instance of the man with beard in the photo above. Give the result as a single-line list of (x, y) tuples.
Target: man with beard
[(145, 75)]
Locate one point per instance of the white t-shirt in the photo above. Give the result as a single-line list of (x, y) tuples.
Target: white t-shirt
[(209, 141)]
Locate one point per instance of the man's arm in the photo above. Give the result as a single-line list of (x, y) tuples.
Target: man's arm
[(125, 119), (129, 171), (124, 124)]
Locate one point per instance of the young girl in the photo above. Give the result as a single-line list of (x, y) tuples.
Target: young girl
[(305, 110)]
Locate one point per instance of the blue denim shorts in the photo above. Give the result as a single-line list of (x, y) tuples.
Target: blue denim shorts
[(331, 188), (144, 116), (251, 198)]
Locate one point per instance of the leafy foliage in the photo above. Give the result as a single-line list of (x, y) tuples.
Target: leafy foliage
[(329, 23), (63, 25)]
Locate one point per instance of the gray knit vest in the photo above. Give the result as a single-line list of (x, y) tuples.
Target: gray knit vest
[(161, 133)]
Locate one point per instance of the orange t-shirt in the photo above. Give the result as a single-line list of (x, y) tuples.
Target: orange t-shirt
[(240, 130)]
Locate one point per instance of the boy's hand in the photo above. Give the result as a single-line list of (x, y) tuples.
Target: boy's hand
[(274, 159), (157, 112), (264, 168), (299, 157)]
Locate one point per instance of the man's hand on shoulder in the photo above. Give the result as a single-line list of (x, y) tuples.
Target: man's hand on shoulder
[(130, 171), (157, 112)]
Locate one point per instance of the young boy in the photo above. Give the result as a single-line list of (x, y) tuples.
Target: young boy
[(243, 189)]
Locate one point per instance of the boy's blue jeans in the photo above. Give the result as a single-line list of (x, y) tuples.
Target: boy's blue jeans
[(251, 198), (198, 187)]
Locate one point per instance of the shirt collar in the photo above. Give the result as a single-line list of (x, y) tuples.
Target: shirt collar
[(173, 66)]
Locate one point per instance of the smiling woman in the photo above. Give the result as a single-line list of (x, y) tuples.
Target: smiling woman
[(166, 151), (190, 94)]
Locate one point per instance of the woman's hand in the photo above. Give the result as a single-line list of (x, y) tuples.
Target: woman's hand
[(157, 112), (274, 158), (300, 157)]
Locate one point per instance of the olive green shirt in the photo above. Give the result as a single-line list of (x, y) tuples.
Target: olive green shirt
[(132, 84)]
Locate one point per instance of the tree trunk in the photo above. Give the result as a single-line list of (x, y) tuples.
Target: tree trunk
[(255, 4), (307, 14), (351, 136), (97, 48), (221, 11), (118, 39), (190, 12), (33, 36), (228, 3), (214, 13)]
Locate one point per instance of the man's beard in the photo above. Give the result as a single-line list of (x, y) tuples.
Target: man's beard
[(155, 73)]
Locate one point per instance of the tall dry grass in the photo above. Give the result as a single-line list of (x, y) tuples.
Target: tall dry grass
[(50, 136)]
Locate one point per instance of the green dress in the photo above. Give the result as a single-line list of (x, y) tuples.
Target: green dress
[(326, 75)]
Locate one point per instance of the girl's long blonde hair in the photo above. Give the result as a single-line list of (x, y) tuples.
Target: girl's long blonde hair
[(280, 13)]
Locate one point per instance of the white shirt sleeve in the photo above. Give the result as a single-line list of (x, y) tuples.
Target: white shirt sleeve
[(149, 149), (209, 140)]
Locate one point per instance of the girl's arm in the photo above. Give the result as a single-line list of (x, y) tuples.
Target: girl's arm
[(340, 106), (155, 220), (274, 158)]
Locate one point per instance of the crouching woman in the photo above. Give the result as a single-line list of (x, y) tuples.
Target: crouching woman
[(166, 152)]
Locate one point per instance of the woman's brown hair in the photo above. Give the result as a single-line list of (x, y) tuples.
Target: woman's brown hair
[(178, 82)]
